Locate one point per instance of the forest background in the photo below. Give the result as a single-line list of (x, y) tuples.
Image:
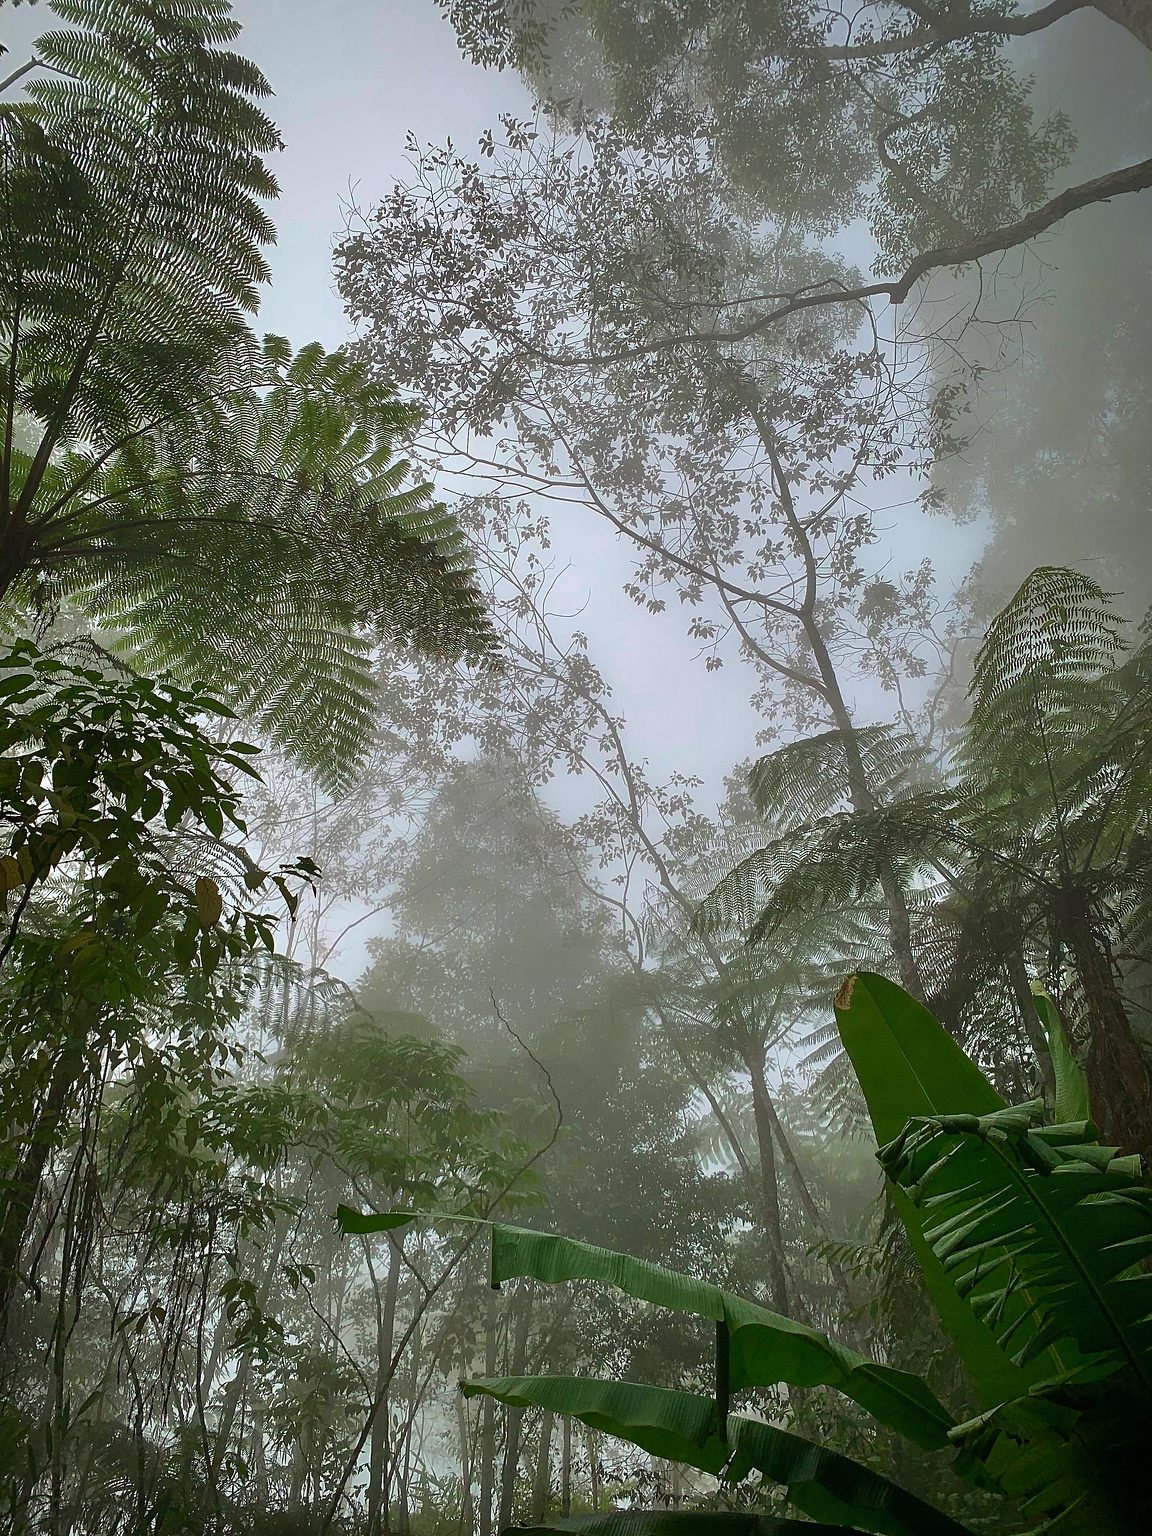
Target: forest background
[(494, 986)]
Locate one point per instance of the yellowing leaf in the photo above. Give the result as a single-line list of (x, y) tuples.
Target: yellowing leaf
[(209, 902)]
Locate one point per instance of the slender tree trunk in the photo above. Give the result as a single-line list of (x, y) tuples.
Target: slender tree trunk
[(257, 1459), (59, 1363), (542, 1483), (859, 791), (514, 1417), (18, 1192), (860, 794), (404, 1512), (467, 1512), (1118, 1078), (811, 1210), (234, 1391), (378, 1478), (594, 1469), (769, 1189), (566, 1470), (488, 1424)]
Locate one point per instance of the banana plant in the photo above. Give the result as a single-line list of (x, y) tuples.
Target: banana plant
[(1032, 1239)]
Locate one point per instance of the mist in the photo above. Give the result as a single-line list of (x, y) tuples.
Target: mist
[(575, 741)]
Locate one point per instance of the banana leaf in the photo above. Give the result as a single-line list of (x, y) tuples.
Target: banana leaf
[(1074, 1455), (907, 1064), (906, 1061), (1071, 1084), (676, 1425), (1014, 1208), (362, 1223), (675, 1522), (517, 1251), (830, 1487), (764, 1347), (685, 1428)]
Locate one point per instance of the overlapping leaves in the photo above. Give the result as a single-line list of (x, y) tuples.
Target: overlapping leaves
[(235, 513), (1042, 1230), (764, 1347), (684, 1427)]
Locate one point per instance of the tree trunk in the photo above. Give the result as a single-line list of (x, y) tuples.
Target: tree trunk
[(378, 1471), (234, 1391), (1118, 1079), (467, 1513), (404, 1510), (257, 1460), (542, 1483), (566, 1470), (514, 1417), (1022, 992), (594, 1470), (18, 1193), (488, 1424), (770, 1193), (862, 800)]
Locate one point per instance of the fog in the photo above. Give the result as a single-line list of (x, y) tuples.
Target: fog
[(575, 723)]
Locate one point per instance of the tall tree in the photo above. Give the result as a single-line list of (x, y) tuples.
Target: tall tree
[(731, 471), (1035, 850), (917, 114)]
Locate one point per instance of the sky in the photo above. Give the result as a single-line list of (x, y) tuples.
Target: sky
[(346, 96), (350, 79)]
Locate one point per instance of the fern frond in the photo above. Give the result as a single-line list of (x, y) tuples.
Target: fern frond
[(236, 512), (810, 778)]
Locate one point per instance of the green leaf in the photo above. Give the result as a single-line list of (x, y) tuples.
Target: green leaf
[(1043, 1231), (765, 1348), (676, 1425), (683, 1427), (545, 1256), (831, 1487), (907, 1064), (1072, 1455), (1071, 1084), (358, 1224)]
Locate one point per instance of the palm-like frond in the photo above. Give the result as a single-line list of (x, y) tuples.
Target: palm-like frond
[(1043, 1230), (134, 186), (1056, 747), (807, 779), (1059, 625), (234, 512), (261, 546), (831, 863)]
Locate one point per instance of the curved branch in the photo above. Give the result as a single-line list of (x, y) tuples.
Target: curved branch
[(1131, 178), (940, 32)]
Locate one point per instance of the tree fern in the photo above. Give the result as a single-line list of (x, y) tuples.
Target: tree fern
[(233, 511), (1039, 848)]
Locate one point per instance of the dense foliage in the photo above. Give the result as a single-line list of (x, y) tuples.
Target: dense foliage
[(228, 509)]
